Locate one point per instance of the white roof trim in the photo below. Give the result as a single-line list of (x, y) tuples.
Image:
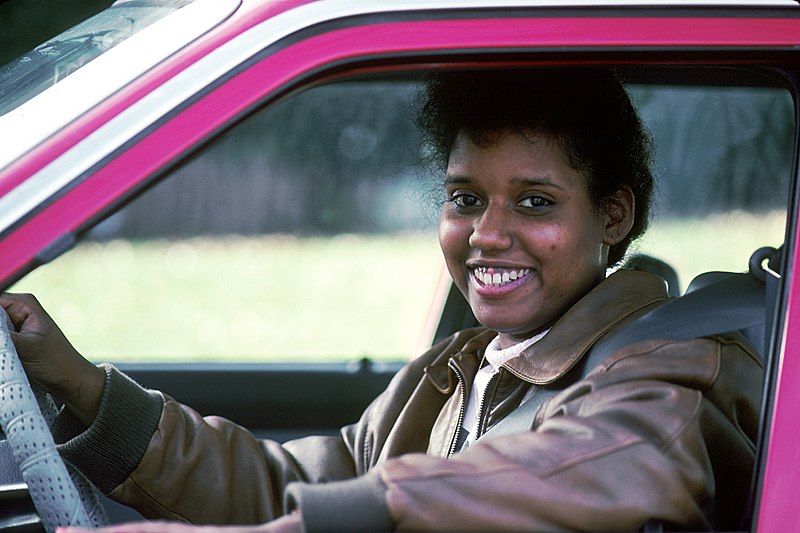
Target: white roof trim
[(656, 3), (43, 115)]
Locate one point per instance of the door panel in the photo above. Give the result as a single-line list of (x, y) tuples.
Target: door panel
[(276, 401)]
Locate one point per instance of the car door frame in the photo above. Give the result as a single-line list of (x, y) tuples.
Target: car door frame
[(345, 44)]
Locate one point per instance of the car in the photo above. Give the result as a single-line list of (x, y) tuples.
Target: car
[(190, 185)]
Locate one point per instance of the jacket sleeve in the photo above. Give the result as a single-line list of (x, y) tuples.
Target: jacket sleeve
[(163, 459), (628, 444)]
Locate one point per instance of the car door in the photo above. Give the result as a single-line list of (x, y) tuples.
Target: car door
[(288, 127)]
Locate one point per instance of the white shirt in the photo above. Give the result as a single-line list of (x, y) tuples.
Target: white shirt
[(495, 358)]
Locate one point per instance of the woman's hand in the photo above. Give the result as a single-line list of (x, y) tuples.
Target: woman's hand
[(50, 360), (290, 523)]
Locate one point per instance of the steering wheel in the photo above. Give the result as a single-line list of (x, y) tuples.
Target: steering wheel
[(61, 495)]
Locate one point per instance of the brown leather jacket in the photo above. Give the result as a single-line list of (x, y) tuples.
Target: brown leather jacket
[(662, 430)]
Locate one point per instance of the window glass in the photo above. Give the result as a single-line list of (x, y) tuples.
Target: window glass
[(307, 232), (723, 165), (304, 233), (54, 60)]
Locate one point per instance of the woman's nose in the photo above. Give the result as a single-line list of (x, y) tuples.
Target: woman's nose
[(491, 231)]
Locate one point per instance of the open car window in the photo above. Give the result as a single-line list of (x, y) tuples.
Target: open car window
[(307, 231), (723, 167)]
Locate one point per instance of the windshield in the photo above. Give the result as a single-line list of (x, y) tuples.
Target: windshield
[(51, 62)]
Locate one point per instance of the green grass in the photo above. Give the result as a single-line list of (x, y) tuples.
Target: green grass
[(286, 298), (718, 242), (273, 297)]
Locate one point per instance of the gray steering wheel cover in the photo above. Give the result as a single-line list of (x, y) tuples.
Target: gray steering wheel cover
[(54, 490)]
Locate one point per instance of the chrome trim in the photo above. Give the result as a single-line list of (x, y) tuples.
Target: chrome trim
[(771, 272), (145, 112)]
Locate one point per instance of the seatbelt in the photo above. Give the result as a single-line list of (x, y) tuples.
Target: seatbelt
[(731, 304), (738, 302)]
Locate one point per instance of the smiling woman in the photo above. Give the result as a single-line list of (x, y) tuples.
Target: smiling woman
[(517, 209), (513, 425), (537, 189), (239, 176)]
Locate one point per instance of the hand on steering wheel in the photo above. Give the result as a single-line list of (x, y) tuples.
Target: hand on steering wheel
[(62, 496)]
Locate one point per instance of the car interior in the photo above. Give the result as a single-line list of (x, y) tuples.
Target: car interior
[(331, 173)]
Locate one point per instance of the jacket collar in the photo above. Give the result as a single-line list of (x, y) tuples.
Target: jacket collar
[(619, 298)]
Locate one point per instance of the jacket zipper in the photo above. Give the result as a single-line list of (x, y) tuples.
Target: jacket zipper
[(488, 392), (461, 410)]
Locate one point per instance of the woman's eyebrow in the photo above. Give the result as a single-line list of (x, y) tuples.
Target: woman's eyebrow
[(535, 181), (457, 179), (539, 181)]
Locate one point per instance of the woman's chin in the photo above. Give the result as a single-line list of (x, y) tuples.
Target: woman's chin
[(504, 325), (508, 321)]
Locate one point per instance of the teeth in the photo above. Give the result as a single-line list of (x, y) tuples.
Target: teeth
[(491, 278)]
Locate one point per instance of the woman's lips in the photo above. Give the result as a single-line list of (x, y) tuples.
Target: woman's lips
[(497, 281)]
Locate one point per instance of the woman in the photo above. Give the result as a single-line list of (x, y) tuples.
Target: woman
[(546, 184)]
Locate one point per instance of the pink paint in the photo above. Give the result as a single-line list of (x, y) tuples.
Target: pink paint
[(434, 35), (781, 477), (247, 16), (217, 108), (251, 86)]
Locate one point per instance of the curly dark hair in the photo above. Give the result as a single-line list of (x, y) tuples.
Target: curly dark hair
[(587, 111)]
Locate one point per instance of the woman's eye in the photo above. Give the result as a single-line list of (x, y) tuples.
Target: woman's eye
[(535, 202), (465, 200)]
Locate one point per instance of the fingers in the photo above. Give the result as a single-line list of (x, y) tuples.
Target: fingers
[(50, 360), (277, 526), (31, 322), (133, 527), (18, 308), (25, 312)]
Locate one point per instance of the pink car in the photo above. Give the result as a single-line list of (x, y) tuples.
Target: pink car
[(164, 125)]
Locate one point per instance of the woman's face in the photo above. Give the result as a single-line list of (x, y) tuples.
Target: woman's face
[(520, 236)]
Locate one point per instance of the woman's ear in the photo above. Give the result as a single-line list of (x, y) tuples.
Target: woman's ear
[(620, 208)]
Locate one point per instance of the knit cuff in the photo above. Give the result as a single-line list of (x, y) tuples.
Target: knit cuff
[(352, 505), (112, 447)]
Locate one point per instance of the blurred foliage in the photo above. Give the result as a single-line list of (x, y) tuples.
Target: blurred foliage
[(337, 158), (343, 158), (719, 149)]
